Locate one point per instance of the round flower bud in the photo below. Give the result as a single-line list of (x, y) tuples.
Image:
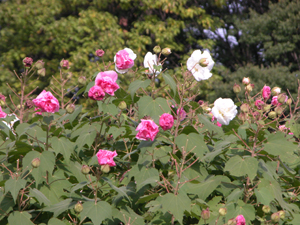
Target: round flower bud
[(282, 98), (39, 64), (245, 107), (157, 49), (272, 115), (41, 72), (166, 51), (82, 80), (78, 207), (289, 101), (70, 108), (275, 217), (99, 52), (231, 222), (35, 162), (236, 88), (249, 88), (281, 214), (222, 211), (275, 91), (266, 107), (266, 209), (279, 110), (64, 63), (105, 168), (246, 81), (205, 214), (85, 169), (122, 105)]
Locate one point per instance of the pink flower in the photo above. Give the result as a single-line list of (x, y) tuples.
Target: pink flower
[(240, 220), (124, 60), (2, 114), (107, 81), (166, 121), (96, 93), (218, 124), (46, 102), (27, 61), (181, 114), (99, 52), (106, 157), (147, 130), (259, 104), (275, 100), (266, 92), (64, 63)]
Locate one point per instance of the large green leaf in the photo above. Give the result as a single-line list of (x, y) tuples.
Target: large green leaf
[(41, 198), (247, 211), (55, 221), (238, 166), (135, 85), (175, 204), (152, 107), (20, 218), (60, 207), (6, 204), (146, 176), (210, 127), (170, 81), (192, 142), (264, 196), (97, 212), (14, 186), (64, 146)]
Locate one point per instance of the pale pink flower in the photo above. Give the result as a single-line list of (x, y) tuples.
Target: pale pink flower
[(106, 157), (166, 121), (266, 92), (46, 102), (124, 60), (96, 93), (240, 220), (181, 114), (275, 101), (2, 114), (99, 52), (107, 81), (147, 130), (259, 104)]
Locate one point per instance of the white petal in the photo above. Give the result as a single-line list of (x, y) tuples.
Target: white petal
[(132, 55)]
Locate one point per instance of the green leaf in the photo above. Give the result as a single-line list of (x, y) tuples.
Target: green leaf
[(119, 190), (263, 195), (14, 186), (192, 142), (152, 107), (238, 166), (86, 138), (210, 127), (6, 204), (175, 204), (108, 108), (247, 211), (97, 212), (64, 146), (147, 198), (55, 221), (146, 176), (135, 85), (60, 207), (170, 81), (235, 195), (42, 199), (20, 218)]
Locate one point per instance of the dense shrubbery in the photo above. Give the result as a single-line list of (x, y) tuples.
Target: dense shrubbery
[(139, 158)]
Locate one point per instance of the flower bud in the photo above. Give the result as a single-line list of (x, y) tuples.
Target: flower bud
[(99, 53), (275, 217), (82, 80), (246, 81), (157, 49), (249, 88), (266, 107), (166, 51), (78, 207), (266, 209), (281, 214), (289, 101), (2, 100), (275, 91), (39, 64), (41, 72), (35, 163), (64, 63), (272, 115), (70, 108), (105, 168), (243, 116), (122, 105), (205, 214), (27, 61), (203, 62), (231, 222), (85, 169), (236, 88), (245, 107), (222, 211), (279, 110), (282, 98), (206, 109)]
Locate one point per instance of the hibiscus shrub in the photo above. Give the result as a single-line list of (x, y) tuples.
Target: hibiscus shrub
[(141, 158)]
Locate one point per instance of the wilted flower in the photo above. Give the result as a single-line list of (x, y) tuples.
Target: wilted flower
[(266, 92), (147, 130), (46, 102), (149, 61), (198, 71), (106, 157), (107, 81), (181, 114), (27, 61), (259, 104), (99, 52), (64, 63), (166, 121), (124, 60), (224, 110)]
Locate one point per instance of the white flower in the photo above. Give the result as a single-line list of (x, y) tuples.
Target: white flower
[(150, 60), (224, 110), (200, 65)]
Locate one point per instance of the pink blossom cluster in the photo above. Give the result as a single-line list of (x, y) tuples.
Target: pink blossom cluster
[(46, 102), (105, 83)]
